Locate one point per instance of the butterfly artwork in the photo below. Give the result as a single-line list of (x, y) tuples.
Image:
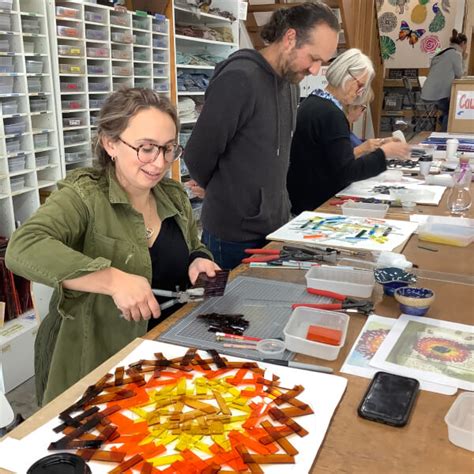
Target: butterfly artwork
[(412, 35)]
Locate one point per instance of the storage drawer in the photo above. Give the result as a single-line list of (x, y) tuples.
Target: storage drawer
[(72, 104), (31, 25), (140, 24), (101, 86), (17, 183), (34, 84), (5, 22), (160, 42), (65, 12), (97, 35), (16, 164), (142, 71), (70, 138), (70, 69), (96, 103), (69, 31), (34, 67), (4, 45), (14, 127), (125, 38), (42, 160), (75, 156), (40, 140), (159, 26), (96, 69), (13, 145), (38, 104), (121, 20), (73, 122), (121, 71), (160, 71), (9, 106), (71, 86), (6, 64), (96, 17), (160, 56), (98, 52), (121, 54), (6, 85), (6, 4), (66, 50)]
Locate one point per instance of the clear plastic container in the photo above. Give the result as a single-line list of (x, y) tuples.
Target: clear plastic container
[(4, 45), (31, 25), (141, 40), (6, 4), (67, 50), (34, 67), (160, 71), (72, 104), (364, 209), (70, 138), (271, 348), (65, 12), (159, 26), (96, 69), (100, 86), (6, 85), (121, 37), (17, 164), (97, 35), (98, 52), (69, 31), (29, 47), (121, 70), (14, 127), (34, 84), (6, 64), (40, 140), (140, 23), (95, 17), (161, 86), (142, 71), (160, 42), (38, 104), (5, 22), (455, 231), (344, 280), (120, 20), (70, 69), (140, 55), (17, 183), (121, 54), (73, 121), (460, 421), (96, 103), (42, 160), (75, 156), (9, 106), (160, 56), (13, 144), (299, 323)]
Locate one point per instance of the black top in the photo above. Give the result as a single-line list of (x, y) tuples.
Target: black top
[(322, 159), (170, 262)]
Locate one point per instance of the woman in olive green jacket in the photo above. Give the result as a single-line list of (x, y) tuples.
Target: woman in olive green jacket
[(104, 237)]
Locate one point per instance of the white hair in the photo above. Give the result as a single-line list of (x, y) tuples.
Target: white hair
[(353, 61)]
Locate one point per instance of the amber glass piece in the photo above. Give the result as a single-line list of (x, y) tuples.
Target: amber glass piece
[(222, 404), (124, 466), (119, 373), (75, 421), (278, 415), (296, 411), (248, 460), (112, 397), (101, 455), (282, 441), (217, 359)]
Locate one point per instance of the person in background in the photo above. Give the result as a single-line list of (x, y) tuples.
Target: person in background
[(105, 238), (353, 113), (445, 66), (239, 149), (322, 160)]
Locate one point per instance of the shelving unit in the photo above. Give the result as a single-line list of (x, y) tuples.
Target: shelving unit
[(29, 148), (97, 50)]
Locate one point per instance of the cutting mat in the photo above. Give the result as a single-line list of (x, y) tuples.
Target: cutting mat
[(265, 303)]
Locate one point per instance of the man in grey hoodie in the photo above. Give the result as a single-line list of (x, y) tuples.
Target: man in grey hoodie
[(239, 149)]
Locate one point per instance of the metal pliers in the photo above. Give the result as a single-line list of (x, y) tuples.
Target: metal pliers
[(290, 253), (346, 303), (191, 295)]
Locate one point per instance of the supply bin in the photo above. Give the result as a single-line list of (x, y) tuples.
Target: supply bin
[(38, 104), (16, 164), (40, 140), (17, 183)]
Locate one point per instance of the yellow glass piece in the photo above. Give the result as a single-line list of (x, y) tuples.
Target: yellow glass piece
[(181, 388), (203, 447), (185, 441), (222, 403), (222, 441), (164, 460), (244, 408)]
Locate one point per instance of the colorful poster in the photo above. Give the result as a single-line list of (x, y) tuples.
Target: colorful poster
[(429, 349), (465, 105)]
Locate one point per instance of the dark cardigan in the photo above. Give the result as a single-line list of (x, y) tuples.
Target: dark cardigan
[(322, 159)]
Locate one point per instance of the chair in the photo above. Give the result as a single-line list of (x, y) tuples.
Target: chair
[(424, 113)]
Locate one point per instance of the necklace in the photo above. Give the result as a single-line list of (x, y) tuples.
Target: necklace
[(149, 231)]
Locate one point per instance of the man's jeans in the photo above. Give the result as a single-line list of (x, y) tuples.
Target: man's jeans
[(228, 254)]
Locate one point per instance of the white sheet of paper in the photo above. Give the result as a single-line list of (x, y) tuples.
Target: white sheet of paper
[(323, 393), (292, 232), (422, 351)]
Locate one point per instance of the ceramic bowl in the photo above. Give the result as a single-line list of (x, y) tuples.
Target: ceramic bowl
[(392, 278), (414, 301)]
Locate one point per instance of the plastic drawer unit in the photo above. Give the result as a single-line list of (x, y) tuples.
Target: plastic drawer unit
[(38, 104), (97, 35), (31, 25), (69, 31), (13, 144), (65, 12), (98, 52), (121, 54), (67, 50), (34, 67), (6, 85), (40, 140), (42, 160), (14, 127), (17, 183), (72, 104), (73, 122), (71, 86), (95, 17), (34, 84), (9, 106), (16, 164), (6, 64), (100, 86), (73, 156), (71, 138), (70, 69)]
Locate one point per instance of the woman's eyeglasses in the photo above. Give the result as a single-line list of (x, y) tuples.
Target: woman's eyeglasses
[(361, 87), (149, 152)]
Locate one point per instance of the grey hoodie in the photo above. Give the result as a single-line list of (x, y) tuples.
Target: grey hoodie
[(240, 145)]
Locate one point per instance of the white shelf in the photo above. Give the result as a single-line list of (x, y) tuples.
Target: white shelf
[(202, 40), (26, 189), (184, 93), (189, 13), (45, 183), (192, 66)]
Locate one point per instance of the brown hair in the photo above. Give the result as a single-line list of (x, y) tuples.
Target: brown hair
[(117, 111), (302, 18), (458, 38)]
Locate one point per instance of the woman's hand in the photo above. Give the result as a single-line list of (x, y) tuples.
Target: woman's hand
[(396, 149), (195, 188), (133, 297), (202, 265)]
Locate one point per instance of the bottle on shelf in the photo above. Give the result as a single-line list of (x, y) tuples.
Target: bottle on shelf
[(460, 199)]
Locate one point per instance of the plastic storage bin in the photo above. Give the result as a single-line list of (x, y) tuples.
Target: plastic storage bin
[(66, 50), (460, 421), (297, 328), (140, 23), (121, 70), (69, 31), (5, 22), (29, 47), (95, 17), (160, 71), (75, 156), (72, 86), (347, 281), (160, 56), (121, 20), (73, 122), (17, 183), (98, 52), (65, 12), (14, 127), (142, 71), (160, 42), (70, 138), (38, 104), (31, 25), (34, 84), (9, 106), (101, 86), (40, 140), (42, 160), (17, 164), (72, 104), (6, 4), (141, 40), (96, 69), (97, 35), (96, 103), (70, 69), (125, 38), (140, 55), (6, 85), (34, 67), (364, 209), (4, 45), (121, 54), (6, 64), (159, 26), (13, 144), (454, 231)]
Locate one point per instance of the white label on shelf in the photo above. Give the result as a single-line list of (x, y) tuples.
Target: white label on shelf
[(464, 105), (243, 6)]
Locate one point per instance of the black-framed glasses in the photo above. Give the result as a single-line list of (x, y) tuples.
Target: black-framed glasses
[(361, 87), (149, 152)]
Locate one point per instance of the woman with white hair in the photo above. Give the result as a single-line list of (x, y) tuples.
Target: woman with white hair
[(322, 160)]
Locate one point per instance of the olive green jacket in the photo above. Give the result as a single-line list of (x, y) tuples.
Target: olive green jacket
[(88, 224)]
